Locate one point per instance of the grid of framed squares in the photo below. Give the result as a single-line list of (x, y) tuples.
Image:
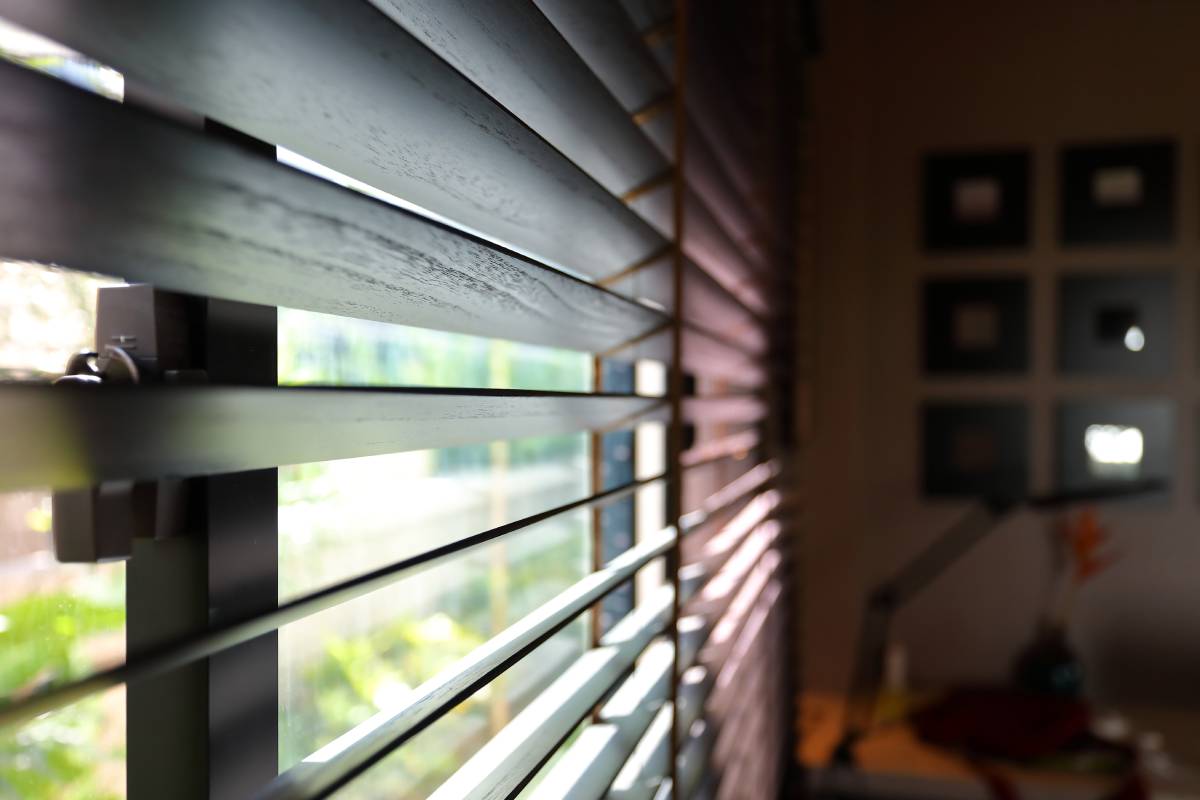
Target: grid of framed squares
[(1111, 325)]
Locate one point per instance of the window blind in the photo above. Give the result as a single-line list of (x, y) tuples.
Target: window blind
[(542, 172)]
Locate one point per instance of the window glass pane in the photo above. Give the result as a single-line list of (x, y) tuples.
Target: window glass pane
[(325, 349), (338, 519), (415, 770), (343, 518), (531, 787), (650, 453), (616, 520), (650, 378), (341, 666), (46, 314), (74, 753), (37, 52), (58, 622)]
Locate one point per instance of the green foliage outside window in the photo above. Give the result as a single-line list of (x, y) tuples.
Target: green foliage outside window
[(356, 674), (77, 627), (76, 752), (57, 622)]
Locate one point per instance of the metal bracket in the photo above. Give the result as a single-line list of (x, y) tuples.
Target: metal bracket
[(142, 336)]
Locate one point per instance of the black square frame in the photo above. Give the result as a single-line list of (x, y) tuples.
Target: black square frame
[(1154, 418), (1120, 193), (975, 450), (1006, 298), (946, 228), (1095, 312)]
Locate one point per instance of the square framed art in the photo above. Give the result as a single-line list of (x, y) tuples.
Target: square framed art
[(978, 325), (975, 449), (1103, 443), (1115, 325), (1122, 193), (976, 200)]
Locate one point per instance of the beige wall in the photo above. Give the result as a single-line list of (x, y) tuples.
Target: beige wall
[(898, 79)]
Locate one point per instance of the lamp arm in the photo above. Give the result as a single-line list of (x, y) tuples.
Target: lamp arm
[(941, 554)]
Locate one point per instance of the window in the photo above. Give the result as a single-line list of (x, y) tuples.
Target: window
[(58, 621), (395, 467), (343, 518)]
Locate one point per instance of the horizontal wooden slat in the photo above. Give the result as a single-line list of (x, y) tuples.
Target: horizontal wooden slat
[(513, 755), (706, 353), (510, 50), (699, 482), (658, 37), (693, 576), (648, 14), (755, 685), (730, 495), (338, 82), (648, 764), (713, 553), (744, 641), (656, 346), (695, 683), (605, 38), (657, 207), (693, 632), (710, 305), (729, 597), (218, 638), (703, 354), (660, 127), (735, 445), (707, 243), (693, 759), (710, 528), (707, 303), (638, 696), (720, 650), (587, 768), (653, 282), (661, 41), (730, 591), (729, 129), (753, 729), (749, 690), (755, 719), (66, 436), (707, 176), (334, 765), (732, 409), (765, 504), (146, 200)]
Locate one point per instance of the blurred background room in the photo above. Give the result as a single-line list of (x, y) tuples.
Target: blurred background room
[(832, 384)]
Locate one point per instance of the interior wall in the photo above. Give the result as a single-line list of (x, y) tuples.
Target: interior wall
[(898, 79)]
